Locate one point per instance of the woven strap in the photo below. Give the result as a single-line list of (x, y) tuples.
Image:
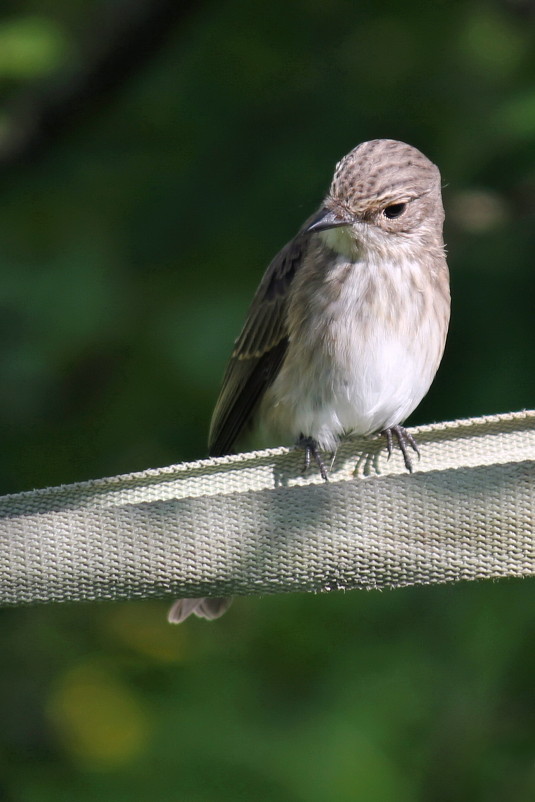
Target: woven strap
[(252, 524)]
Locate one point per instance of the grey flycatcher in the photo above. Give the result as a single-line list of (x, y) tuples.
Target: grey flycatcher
[(348, 325)]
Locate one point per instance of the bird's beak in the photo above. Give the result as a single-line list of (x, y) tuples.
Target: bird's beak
[(328, 219)]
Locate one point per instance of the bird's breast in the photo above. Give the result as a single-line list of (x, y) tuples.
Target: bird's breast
[(365, 341)]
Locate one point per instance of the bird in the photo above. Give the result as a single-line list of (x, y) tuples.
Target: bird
[(347, 328)]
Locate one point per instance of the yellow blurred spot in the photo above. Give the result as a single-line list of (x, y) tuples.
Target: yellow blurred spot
[(478, 210), (97, 718), (143, 627), (31, 46)]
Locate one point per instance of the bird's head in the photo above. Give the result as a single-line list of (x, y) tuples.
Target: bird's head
[(384, 193)]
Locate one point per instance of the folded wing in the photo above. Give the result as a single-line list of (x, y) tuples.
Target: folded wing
[(258, 351)]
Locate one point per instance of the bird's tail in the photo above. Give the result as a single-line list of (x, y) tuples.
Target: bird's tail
[(203, 608)]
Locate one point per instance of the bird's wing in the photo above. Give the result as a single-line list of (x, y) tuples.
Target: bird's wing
[(258, 351)]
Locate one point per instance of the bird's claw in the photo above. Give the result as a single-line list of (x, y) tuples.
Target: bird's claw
[(405, 440), (310, 447)]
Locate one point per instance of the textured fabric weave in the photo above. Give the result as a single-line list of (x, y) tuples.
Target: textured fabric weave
[(252, 524)]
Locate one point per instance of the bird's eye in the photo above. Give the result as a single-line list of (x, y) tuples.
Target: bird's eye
[(394, 210)]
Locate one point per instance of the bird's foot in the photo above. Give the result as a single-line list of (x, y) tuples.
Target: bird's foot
[(405, 440), (310, 447)]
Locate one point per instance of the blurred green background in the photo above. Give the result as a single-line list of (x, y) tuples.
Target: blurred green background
[(153, 158)]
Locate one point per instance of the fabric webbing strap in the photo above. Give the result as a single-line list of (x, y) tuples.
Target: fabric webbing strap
[(252, 524)]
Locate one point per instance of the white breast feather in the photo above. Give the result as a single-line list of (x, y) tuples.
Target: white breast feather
[(345, 372)]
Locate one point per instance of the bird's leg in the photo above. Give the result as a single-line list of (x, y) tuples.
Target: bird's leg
[(405, 439), (310, 447)]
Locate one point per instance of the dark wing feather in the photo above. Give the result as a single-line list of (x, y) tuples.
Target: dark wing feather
[(258, 351)]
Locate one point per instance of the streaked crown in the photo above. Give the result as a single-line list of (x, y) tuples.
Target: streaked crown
[(380, 171)]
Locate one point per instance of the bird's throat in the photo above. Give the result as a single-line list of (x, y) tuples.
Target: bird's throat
[(342, 241)]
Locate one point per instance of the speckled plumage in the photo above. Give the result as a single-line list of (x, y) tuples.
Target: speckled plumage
[(347, 328)]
